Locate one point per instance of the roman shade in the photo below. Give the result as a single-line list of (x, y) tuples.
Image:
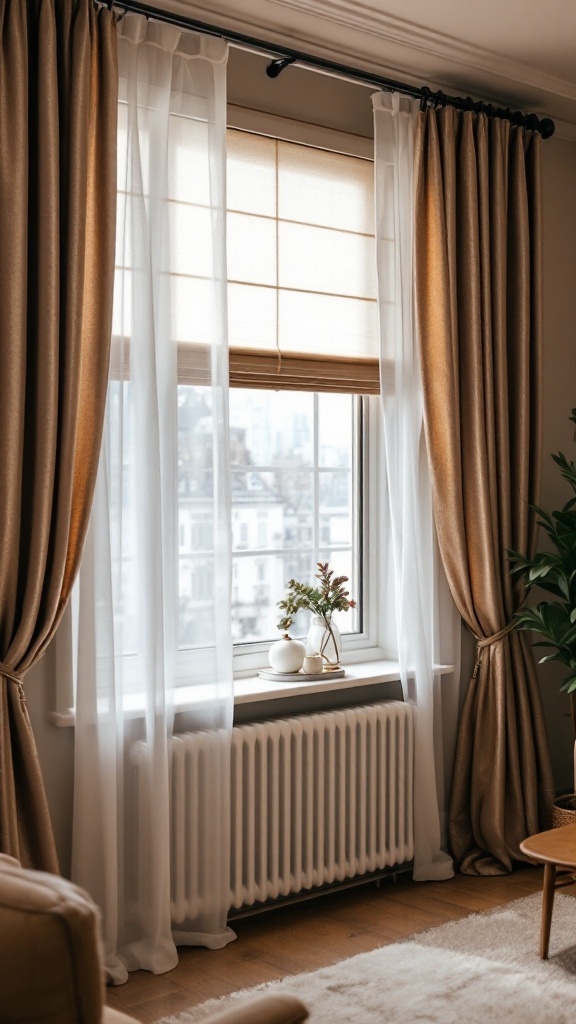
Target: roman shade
[(301, 267)]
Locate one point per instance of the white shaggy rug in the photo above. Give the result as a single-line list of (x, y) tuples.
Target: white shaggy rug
[(484, 969)]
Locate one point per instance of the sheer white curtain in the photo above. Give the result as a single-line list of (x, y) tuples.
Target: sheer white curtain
[(144, 623), (427, 624)]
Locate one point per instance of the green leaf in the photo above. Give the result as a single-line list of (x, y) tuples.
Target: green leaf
[(570, 635), (540, 512), (550, 586), (569, 684), (554, 572)]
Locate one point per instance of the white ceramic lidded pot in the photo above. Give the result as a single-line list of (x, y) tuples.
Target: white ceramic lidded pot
[(287, 655)]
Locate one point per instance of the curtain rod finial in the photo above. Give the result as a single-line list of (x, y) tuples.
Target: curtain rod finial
[(278, 65), (547, 127)]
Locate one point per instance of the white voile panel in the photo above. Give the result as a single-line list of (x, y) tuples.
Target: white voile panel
[(171, 220), (427, 625)]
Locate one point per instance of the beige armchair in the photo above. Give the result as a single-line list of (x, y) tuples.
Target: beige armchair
[(50, 965)]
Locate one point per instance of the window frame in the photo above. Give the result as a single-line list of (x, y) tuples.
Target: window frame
[(375, 642), (344, 376), (364, 645)]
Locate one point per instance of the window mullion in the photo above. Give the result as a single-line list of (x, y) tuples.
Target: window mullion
[(316, 478)]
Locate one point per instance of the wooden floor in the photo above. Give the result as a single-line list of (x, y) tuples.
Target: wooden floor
[(314, 934)]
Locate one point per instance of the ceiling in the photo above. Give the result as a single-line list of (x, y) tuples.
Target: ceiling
[(520, 53), (538, 34)]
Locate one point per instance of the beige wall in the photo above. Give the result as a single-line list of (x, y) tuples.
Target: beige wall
[(348, 108), (559, 167)]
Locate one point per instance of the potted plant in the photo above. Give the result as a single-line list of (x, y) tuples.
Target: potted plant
[(323, 600), (554, 620)]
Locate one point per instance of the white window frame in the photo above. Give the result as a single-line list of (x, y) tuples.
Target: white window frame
[(365, 645)]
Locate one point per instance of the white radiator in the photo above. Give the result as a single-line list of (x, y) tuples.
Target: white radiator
[(315, 799)]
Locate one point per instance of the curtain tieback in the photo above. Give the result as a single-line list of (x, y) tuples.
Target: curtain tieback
[(486, 641), (14, 677)]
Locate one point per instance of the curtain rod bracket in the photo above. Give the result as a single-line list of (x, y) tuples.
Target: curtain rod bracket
[(276, 67)]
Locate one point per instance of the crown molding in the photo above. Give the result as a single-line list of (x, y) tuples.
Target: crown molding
[(353, 32), (565, 130), (352, 14)]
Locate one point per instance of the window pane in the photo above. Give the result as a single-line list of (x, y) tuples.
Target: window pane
[(257, 511), (255, 583), (196, 566), (271, 428), (196, 601), (335, 492), (287, 508), (335, 431), (288, 512)]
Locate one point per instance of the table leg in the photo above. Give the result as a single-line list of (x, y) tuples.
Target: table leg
[(547, 905)]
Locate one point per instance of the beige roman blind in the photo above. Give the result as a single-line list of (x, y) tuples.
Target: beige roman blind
[(301, 266), (302, 311)]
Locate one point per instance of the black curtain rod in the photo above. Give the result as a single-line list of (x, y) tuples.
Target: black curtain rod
[(289, 56)]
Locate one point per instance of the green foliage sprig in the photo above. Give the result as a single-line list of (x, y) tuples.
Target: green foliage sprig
[(555, 572), (330, 596)]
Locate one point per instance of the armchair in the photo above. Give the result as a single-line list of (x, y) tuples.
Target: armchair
[(50, 963)]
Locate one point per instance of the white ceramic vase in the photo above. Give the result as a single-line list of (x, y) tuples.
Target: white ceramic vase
[(287, 655), (325, 641)]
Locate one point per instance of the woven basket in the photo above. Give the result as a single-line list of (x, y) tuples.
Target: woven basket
[(564, 811)]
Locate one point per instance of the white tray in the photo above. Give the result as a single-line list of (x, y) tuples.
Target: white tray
[(297, 677)]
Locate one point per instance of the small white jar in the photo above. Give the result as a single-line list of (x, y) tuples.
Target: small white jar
[(286, 655), (312, 664)]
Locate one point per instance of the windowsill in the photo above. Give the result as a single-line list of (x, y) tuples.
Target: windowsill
[(252, 689)]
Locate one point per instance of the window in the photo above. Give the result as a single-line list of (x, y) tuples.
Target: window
[(303, 350), (303, 420), (303, 337), (296, 499)]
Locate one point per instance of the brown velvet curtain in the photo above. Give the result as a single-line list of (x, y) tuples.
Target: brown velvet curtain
[(478, 270), (58, 101)]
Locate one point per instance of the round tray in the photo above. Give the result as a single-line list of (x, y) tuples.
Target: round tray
[(298, 677)]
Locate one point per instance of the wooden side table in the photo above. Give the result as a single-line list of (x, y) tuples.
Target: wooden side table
[(555, 848)]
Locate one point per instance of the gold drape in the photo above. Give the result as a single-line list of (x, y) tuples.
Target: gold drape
[(478, 273), (58, 110)]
